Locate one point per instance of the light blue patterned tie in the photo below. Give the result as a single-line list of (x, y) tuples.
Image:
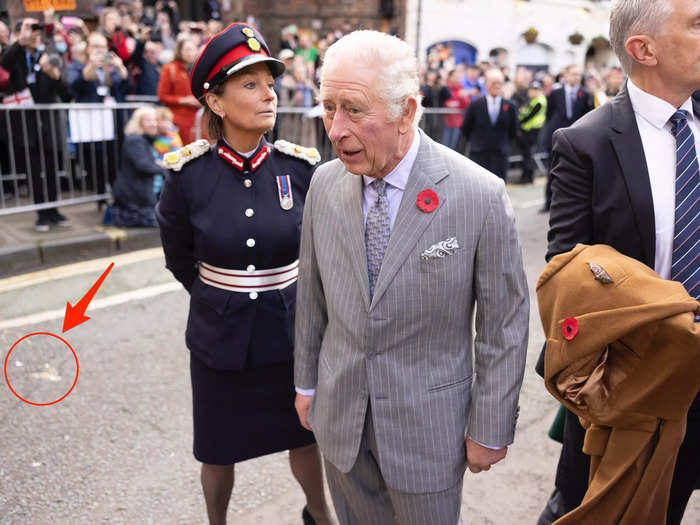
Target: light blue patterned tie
[(377, 232), (685, 261)]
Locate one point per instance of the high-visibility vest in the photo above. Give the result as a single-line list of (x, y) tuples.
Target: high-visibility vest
[(537, 121)]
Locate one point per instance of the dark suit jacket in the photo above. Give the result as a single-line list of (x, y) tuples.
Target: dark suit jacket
[(601, 192), (556, 112), (45, 90), (484, 136), (556, 107)]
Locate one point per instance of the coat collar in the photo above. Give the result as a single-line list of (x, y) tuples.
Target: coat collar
[(627, 143)]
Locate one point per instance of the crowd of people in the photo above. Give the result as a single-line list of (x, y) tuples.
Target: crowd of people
[(531, 100), (146, 53)]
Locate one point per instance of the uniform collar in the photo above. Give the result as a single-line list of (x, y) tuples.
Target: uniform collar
[(241, 163)]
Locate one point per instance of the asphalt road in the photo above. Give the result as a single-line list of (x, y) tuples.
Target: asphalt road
[(117, 449)]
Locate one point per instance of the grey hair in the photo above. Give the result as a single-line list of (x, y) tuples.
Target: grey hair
[(397, 79), (634, 17)]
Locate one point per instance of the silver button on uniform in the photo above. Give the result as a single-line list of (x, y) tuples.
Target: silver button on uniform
[(253, 295), (247, 183), (249, 212), (250, 268), (250, 243)]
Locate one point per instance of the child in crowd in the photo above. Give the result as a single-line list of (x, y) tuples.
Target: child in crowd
[(168, 140)]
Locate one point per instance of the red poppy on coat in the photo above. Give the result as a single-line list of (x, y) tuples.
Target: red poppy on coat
[(427, 201), (506, 107), (569, 328), (580, 94)]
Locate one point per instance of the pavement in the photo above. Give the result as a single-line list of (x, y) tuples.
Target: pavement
[(22, 249), (118, 449)]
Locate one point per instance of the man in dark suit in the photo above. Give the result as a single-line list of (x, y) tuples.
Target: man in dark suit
[(626, 175), (565, 105), (489, 125)]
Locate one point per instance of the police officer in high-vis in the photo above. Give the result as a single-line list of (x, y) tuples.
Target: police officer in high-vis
[(531, 118), (230, 220)]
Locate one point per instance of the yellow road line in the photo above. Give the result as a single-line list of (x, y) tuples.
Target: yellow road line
[(70, 270)]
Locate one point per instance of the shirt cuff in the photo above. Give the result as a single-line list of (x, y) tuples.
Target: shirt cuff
[(305, 392), (487, 446)]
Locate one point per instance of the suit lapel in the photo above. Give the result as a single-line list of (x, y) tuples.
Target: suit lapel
[(627, 143), (352, 219), (411, 222)]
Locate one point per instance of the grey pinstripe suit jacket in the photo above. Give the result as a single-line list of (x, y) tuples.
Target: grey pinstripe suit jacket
[(409, 349)]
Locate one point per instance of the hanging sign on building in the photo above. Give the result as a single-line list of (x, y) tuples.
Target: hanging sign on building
[(43, 5)]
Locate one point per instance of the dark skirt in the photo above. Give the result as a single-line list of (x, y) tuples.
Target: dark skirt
[(244, 414)]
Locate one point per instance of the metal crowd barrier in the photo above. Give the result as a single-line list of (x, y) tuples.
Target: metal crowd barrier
[(59, 154), (64, 154)]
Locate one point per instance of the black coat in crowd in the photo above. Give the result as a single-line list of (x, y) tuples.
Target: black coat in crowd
[(489, 144)]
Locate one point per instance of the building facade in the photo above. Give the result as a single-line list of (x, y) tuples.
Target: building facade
[(562, 32)]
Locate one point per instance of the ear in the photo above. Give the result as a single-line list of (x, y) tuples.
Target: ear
[(215, 104), (642, 49), (409, 113)]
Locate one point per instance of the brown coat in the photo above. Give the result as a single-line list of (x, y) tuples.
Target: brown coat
[(623, 356)]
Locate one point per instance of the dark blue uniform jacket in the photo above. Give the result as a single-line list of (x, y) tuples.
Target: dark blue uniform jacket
[(202, 217)]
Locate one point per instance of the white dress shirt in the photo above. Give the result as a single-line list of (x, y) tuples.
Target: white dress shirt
[(570, 94), (652, 114), (494, 107)]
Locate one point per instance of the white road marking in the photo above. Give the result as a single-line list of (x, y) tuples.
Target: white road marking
[(97, 304), (70, 270)]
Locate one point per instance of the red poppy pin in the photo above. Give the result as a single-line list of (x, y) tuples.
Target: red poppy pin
[(569, 328), (506, 107), (580, 94), (427, 201)]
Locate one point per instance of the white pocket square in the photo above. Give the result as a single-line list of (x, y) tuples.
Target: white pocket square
[(441, 249)]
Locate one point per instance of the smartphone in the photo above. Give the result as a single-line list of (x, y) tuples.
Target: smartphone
[(108, 58), (37, 27)]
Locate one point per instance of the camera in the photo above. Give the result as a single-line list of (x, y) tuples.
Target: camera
[(37, 27), (55, 60)]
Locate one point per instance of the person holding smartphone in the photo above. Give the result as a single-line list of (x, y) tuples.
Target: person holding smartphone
[(35, 78)]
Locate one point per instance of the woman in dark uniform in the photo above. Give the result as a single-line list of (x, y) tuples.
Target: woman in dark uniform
[(230, 219)]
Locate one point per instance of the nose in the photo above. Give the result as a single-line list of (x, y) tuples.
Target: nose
[(269, 94), (337, 127)]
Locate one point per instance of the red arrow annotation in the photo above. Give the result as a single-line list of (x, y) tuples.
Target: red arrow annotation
[(75, 315)]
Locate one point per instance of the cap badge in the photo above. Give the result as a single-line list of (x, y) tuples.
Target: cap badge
[(248, 32), (253, 44), (284, 185), (600, 273)]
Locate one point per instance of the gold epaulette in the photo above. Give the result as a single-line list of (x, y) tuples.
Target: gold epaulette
[(175, 160), (310, 155)]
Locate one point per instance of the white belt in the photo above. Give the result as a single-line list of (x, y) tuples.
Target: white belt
[(249, 281)]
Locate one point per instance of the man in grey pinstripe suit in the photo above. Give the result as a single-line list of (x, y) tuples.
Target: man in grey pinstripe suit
[(401, 239)]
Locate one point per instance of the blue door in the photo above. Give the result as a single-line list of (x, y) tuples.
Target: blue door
[(462, 51)]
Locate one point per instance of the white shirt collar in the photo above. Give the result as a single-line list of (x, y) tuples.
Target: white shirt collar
[(398, 177), (653, 109), (493, 100)]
